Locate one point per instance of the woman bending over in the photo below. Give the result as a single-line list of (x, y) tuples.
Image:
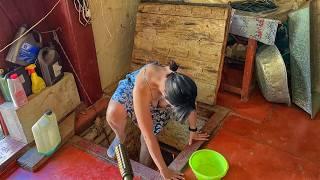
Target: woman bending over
[(148, 96)]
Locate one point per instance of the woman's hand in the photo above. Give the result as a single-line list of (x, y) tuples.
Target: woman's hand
[(169, 174), (198, 136)]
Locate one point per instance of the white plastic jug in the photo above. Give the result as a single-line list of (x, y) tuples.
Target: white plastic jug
[(17, 93), (46, 133)]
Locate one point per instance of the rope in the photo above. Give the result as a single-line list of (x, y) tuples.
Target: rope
[(56, 38), (30, 29), (84, 13)]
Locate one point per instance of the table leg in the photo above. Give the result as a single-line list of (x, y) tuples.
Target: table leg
[(3, 126), (248, 69)]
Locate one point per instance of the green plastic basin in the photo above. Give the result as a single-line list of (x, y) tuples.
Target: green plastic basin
[(208, 165)]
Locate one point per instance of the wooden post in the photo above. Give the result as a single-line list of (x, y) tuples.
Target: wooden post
[(3, 126), (248, 69)]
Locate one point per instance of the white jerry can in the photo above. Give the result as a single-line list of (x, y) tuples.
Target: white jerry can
[(46, 133)]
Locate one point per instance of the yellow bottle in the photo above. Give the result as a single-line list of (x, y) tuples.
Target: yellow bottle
[(38, 83)]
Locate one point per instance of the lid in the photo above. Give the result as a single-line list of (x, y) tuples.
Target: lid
[(31, 68), (48, 55), (48, 112), (14, 76), (1, 72)]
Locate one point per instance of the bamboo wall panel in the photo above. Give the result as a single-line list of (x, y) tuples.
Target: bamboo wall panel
[(194, 36)]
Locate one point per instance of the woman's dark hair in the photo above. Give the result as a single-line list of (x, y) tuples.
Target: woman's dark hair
[(181, 92)]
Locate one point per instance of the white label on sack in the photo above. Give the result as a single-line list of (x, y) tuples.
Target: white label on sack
[(56, 69), (22, 80)]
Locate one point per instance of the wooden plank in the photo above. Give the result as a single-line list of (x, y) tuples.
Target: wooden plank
[(204, 73), (10, 150), (211, 12), (142, 56), (248, 69), (211, 127), (176, 134), (182, 28), (223, 50), (113, 37), (231, 88), (193, 36), (207, 92), (204, 78), (101, 153), (32, 160)]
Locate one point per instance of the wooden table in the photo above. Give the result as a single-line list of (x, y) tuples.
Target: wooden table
[(246, 86)]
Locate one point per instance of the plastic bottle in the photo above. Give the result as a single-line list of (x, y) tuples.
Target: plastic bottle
[(4, 86), (50, 64), (26, 49), (24, 78), (17, 92), (37, 82), (46, 133)]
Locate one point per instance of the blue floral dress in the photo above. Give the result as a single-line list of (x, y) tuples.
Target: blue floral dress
[(124, 96)]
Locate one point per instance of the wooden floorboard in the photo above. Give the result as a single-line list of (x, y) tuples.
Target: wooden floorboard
[(10, 150), (211, 127)]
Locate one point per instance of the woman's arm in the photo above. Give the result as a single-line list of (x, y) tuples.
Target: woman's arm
[(193, 119), (193, 125), (144, 118), (141, 102)]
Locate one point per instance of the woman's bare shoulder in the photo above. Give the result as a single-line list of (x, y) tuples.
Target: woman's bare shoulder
[(141, 87)]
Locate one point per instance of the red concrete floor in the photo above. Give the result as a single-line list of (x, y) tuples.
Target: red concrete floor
[(260, 140), (70, 163)]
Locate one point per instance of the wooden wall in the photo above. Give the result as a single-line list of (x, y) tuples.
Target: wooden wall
[(113, 27), (193, 36)]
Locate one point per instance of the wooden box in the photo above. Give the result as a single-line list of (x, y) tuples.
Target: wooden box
[(62, 98)]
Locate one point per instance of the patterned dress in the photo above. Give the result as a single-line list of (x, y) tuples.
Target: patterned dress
[(124, 96)]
